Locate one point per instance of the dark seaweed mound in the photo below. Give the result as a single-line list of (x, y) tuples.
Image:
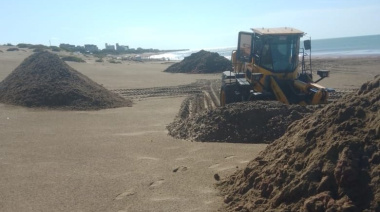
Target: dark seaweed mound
[(328, 161), (201, 62), (44, 80)]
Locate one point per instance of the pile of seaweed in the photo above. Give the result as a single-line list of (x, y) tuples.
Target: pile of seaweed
[(44, 80), (328, 161), (244, 122), (201, 62)]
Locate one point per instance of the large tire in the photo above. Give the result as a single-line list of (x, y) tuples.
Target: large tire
[(222, 98), (226, 95), (245, 94)]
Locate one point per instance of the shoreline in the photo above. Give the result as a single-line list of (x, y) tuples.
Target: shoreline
[(338, 56)]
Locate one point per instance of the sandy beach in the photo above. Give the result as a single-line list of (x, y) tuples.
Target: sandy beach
[(122, 159)]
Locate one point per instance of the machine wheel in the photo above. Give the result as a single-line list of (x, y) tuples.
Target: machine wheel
[(222, 98), (226, 95), (245, 95)]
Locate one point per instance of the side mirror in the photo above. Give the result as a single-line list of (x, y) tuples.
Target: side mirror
[(323, 73), (307, 44)]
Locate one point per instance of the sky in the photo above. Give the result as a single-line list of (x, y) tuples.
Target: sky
[(178, 24)]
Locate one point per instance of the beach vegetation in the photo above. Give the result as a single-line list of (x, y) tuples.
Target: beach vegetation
[(55, 48), (114, 61), (73, 59), (38, 46), (38, 50), (12, 49), (23, 45)]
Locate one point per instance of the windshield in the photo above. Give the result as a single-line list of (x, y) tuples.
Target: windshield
[(280, 53)]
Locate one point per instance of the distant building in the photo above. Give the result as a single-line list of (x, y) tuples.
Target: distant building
[(110, 47), (121, 48), (91, 48)]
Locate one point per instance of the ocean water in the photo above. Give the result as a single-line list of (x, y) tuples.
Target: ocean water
[(180, 55), (360, 45), (348, 46)]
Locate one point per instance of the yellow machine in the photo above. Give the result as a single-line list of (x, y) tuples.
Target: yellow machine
[(267, 67)]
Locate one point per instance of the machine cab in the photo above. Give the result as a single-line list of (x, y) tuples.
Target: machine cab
[(275, 49)]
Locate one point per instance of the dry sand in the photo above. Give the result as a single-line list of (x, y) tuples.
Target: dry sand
[(122, 159)]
